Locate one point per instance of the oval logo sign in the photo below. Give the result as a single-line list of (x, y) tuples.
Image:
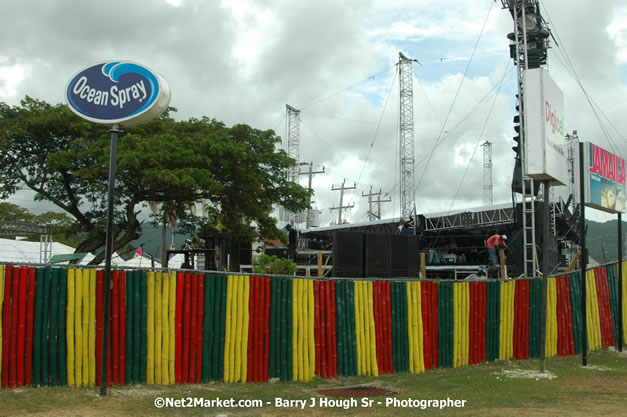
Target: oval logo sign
[(118, 92)]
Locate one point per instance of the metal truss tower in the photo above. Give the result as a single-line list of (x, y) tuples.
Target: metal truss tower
[(528, 49), (487, 173), (406, 148), (293, 140), (293, 151)]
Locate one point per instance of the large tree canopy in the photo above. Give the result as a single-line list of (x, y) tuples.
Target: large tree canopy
[(236, 172)]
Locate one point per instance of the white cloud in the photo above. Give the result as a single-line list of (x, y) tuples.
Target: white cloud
[(241, 61)]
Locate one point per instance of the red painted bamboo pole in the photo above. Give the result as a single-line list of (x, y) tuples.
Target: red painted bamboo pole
[(199, 324), (30, 316), (21, 324), (251, 375), (115, 327), (193, 329), (122, 326), (6, 324), (187, 305), (178, 319), (333, 339), (15, 291), (266, 326)]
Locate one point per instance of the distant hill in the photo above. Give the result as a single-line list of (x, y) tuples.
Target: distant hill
[(602, 240)]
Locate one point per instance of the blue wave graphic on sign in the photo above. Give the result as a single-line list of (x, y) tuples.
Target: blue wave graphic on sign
[(114, 70)]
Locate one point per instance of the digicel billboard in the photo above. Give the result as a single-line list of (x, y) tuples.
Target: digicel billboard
[(545, 137)]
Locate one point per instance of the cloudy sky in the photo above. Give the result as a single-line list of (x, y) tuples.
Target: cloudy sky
[(242, 61)]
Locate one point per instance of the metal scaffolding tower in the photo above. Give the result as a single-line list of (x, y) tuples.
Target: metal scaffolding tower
[(487, 173), (406, 149), (293, 151), (293, 140), (528, 49)]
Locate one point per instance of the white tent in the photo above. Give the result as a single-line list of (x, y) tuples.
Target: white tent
[(140, 262), (176, 261), (24, 252)]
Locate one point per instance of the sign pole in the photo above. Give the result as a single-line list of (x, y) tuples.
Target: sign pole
[(620, 283), (583, 259), (546, 233), (108, 251)]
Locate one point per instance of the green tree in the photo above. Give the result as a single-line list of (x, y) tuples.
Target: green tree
[(62, 227), (237, 171)]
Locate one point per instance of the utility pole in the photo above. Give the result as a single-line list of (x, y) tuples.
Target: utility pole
[(406, 134), (310, 173), (372, 215), (487, 173), (341, 207)]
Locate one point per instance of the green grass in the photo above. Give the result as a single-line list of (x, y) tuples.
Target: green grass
[(599, 389)]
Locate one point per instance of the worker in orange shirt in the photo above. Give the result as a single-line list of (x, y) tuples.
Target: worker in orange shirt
[(493, 243)]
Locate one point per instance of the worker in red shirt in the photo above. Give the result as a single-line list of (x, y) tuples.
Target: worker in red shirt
[(493, 243)]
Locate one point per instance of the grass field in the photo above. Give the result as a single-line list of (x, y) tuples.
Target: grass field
[(492, 389)]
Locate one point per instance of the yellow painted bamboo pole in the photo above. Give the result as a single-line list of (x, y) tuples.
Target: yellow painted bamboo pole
[(421, 358), (150, 328), (365, 328), (412, 327), (510, 324), (594, 312), (85, 326), (457, 349), (548, 347), (246, 318), (237, 330), (157, 337), (359, 330), (466, 321), (373, 332), (92, 327), (419, 361), (69, 325), (240, 320), (554, 317), (78, 328), (165, 328), (512, 293), (228, 330), (172, 328)]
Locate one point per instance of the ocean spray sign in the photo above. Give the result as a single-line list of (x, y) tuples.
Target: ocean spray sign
[(604, 174), (545, 137), (118, 92)]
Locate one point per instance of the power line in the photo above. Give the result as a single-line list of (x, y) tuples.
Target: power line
[(456, 94), (372, 77), (374, 137)]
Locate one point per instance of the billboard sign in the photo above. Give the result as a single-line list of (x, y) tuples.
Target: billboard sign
[(545, 136), (118, 92), (604, 175)]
